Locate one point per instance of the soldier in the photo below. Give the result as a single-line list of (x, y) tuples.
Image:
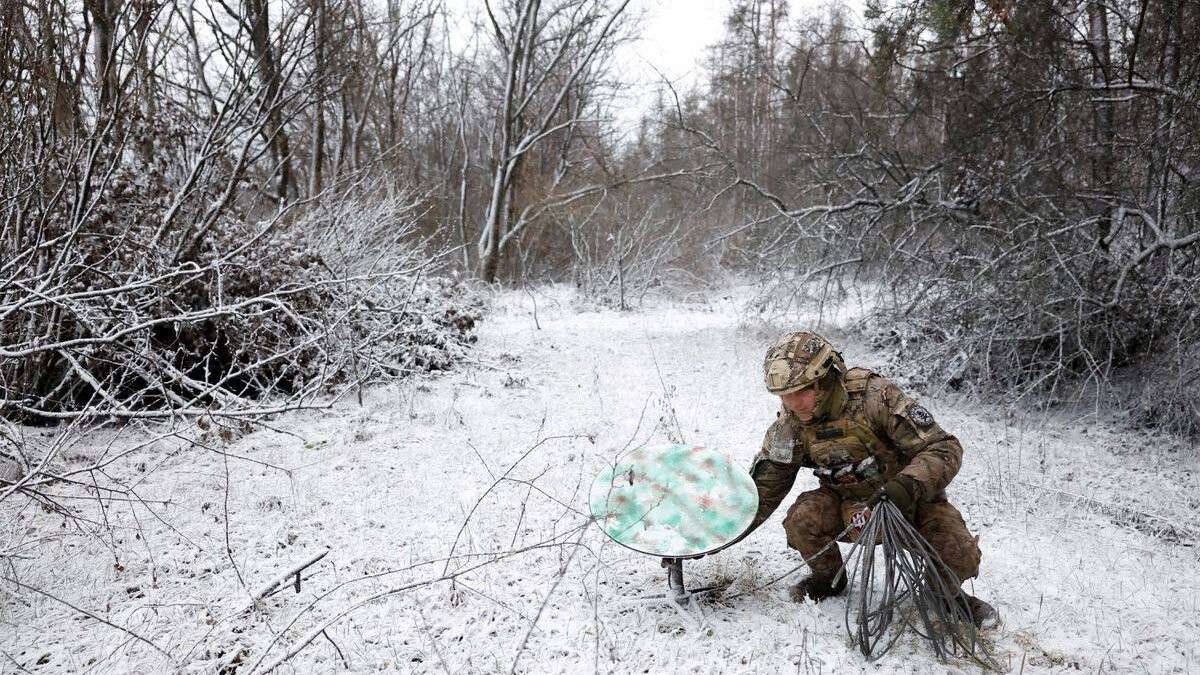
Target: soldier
[(864, 438)]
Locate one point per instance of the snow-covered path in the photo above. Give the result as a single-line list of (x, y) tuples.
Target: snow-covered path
[(508, 446)]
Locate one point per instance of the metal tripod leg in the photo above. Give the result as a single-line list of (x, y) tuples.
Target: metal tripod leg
[(677, 596), (675, 587)]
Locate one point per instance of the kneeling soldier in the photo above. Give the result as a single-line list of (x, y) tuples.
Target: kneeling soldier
[(864, 438)]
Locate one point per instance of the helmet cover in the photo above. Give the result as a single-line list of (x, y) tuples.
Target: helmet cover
[(798, 359)]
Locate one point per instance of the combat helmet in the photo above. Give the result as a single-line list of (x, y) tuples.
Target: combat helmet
[(797, 360)]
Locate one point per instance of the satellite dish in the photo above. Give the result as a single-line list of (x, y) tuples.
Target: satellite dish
[(675, 501)]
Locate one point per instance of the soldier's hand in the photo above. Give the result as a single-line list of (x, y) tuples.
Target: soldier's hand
[(900, 491)]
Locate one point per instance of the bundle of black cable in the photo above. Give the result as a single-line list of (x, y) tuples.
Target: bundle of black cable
[(911, 571)]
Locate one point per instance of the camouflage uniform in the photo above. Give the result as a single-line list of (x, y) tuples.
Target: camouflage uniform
[(866, 432)]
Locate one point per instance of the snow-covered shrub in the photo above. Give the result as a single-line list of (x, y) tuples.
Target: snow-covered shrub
[(1163, 394), (640, 245), (126, 326), (1034, 305)]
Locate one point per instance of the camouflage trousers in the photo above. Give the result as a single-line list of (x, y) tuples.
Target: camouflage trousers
[(819, 515)]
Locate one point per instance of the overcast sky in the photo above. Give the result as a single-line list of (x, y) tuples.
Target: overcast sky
[(675, 35), (673, 39)]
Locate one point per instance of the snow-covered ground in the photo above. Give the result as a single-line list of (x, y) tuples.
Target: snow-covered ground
[(454, 511)]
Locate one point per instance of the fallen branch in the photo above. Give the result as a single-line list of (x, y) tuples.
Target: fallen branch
[(295, 571)]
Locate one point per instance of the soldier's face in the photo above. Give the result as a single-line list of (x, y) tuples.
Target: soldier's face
[(803, 403)]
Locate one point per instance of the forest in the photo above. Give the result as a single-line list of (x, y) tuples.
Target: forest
[(216, 213)]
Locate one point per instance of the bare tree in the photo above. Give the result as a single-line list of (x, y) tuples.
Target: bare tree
[(554, 57)]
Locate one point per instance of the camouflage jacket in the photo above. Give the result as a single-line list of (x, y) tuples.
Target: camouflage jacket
[(872, 432)]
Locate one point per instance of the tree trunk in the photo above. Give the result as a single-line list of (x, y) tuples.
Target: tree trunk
[(317, 158), (258, 16), (1103, 135), (104, 25), (1164, 128)]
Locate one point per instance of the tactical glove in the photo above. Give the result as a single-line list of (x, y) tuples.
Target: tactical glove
[(901, 491)]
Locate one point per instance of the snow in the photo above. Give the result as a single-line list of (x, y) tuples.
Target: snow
[(1088, 531)]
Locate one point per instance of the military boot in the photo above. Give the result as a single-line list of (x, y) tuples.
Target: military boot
[(984, 615), (817, 588)]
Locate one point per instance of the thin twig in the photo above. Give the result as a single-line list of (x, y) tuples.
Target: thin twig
[(91, 615)]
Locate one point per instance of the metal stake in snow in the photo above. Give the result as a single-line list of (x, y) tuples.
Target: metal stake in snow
[(674, 502)]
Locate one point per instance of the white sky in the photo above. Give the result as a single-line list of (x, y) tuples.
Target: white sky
[(677, 32), (674, 36)]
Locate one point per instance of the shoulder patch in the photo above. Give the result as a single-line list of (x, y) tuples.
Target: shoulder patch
[(780, 444), (919, 415)]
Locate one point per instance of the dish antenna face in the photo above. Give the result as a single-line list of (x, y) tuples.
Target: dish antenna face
[(676, 501)]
